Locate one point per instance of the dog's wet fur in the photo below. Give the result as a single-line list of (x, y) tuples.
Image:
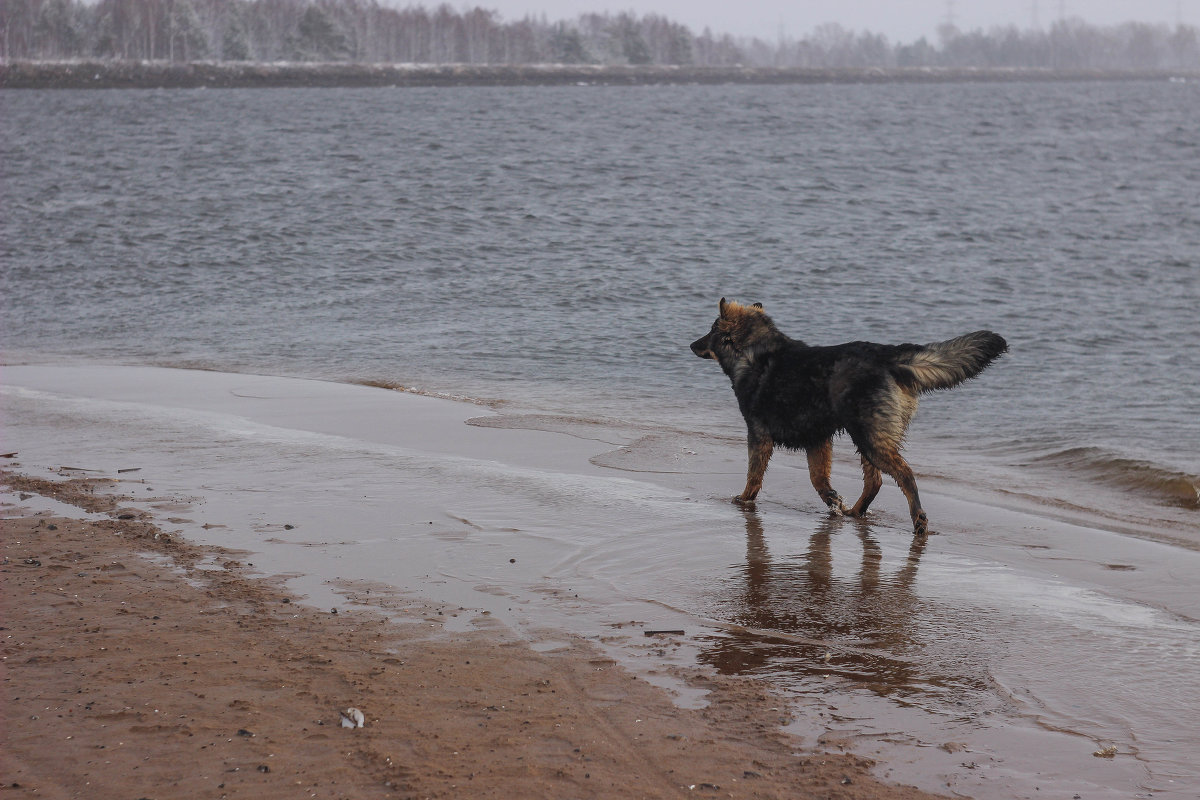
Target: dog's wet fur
[(796, 396)]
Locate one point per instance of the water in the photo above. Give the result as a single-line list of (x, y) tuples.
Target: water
[(552, 251), (557, 248)]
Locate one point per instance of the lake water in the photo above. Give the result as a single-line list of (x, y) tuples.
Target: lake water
[(550, 252), (556, 248)]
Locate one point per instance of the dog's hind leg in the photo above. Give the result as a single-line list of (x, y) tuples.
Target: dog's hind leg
[(872, 482), (760, 447), (890, 461), (820, 463), (878, 438)]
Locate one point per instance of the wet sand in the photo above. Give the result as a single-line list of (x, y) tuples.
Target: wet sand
[(992, 660), (137, 664)]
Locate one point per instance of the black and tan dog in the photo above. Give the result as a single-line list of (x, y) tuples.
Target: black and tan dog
[(796, 396)]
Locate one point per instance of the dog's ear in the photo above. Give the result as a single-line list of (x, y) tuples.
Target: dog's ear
[(758, 306), (722, 307)]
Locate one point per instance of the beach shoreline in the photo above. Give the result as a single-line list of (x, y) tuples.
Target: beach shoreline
[(976, 661), (137, 663)]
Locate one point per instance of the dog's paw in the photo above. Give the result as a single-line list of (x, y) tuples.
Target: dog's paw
[(921, 524), (743, 502), (837, 506)]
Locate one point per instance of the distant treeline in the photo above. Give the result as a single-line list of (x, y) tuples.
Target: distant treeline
[(366, 32)]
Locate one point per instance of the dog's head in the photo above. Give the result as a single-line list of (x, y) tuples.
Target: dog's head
[(735, 334)]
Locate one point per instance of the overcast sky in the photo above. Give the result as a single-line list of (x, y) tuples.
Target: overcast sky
[(899, 20)]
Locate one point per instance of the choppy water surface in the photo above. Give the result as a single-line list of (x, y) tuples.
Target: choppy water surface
[(555, 249), (558, 247)]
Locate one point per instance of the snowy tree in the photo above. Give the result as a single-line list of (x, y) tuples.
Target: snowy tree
[(374, 31)]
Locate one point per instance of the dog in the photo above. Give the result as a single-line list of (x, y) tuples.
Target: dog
[(797, 396)]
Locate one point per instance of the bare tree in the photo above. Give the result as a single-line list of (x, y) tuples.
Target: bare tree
[(367, 31)]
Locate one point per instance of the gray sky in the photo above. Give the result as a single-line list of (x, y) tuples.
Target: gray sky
[(899, 20)]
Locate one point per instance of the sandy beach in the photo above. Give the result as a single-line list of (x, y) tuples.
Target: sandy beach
[(203, 570), (137, 664)]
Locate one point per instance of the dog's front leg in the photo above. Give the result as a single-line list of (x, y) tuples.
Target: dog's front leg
[(760, 447), (820, 465)]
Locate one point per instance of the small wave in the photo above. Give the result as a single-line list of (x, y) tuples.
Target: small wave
[(599, 430), (1169, 486), (396, 386)]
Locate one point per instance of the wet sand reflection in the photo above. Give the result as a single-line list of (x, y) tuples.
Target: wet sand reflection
[(796, 615)]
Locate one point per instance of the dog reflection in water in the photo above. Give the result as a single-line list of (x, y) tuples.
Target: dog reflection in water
[(795, 614)]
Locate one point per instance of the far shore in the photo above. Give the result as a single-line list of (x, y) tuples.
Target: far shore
[(194, 75)]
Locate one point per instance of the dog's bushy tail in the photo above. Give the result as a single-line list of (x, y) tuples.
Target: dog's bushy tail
[(941, 365)]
